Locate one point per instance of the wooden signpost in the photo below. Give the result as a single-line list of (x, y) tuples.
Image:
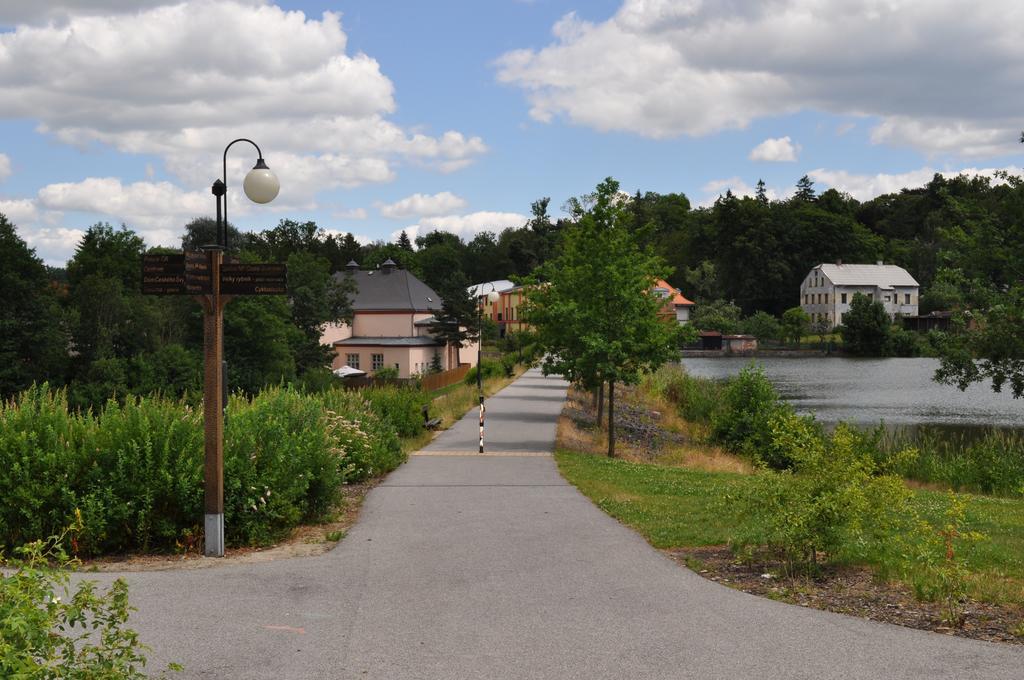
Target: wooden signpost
[(213, 283)]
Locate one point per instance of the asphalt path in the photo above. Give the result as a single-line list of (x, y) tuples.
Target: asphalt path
[(471, 567)]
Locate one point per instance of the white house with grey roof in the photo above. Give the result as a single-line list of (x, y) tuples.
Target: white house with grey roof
[(392, 311), (828, 290)]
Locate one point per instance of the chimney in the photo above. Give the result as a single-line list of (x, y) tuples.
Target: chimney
[(388, 266), (839, 263), (879, 263)]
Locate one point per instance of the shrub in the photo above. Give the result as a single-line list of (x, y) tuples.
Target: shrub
[(834, 501), (402, 406), (134, 470), (749, 402), (386, 373), (490, 369), (48, 631), (366, 442)]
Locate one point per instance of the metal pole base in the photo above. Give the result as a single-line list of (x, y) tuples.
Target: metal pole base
[(213, 539)]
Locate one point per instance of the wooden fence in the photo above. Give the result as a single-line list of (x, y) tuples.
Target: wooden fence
[(436, 381)]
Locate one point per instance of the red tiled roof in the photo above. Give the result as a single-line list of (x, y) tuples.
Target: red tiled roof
[(676, 294)]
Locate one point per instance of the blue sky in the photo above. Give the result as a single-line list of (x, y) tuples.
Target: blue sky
[(382, 116)]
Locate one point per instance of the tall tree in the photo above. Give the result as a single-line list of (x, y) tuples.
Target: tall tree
[(33, 341), (317, 298), (865, 327), (403, 242), (595, 313), (804, 189)]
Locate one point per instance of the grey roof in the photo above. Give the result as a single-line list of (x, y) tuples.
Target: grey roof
[(416, 341), (391, 290), (867, 275), (500, 286)]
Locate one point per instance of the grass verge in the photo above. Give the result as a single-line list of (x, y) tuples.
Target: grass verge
[(675, 497)]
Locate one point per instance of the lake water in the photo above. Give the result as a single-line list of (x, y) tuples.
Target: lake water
[(897, 392)]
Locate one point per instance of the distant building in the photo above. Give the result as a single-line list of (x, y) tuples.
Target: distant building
[(828, 290), (505, 312), (676, 305), (391, 325)]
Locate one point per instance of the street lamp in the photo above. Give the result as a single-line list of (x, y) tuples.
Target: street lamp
[(261, 186), (491, 297)]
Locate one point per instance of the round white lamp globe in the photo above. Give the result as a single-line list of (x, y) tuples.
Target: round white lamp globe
[(493, 296), (261, 185)]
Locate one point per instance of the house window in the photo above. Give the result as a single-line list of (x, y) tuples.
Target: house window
[(886, 298), (844, 298), (499, 316), (871, 296), (376, 361), (352, 360), (397, 368), (826, 298), (906, 298)]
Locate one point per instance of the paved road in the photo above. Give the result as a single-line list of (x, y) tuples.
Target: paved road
[(469, 567)]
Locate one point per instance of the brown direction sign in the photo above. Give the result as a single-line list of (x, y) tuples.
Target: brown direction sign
[(198, 277), (163, 274), (253, 279)]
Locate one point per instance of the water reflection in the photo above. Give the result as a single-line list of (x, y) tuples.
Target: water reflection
[(865, 392)]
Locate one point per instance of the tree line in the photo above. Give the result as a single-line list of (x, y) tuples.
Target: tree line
[(87, 326)]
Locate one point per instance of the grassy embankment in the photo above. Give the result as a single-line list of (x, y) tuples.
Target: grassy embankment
[(685, 494)]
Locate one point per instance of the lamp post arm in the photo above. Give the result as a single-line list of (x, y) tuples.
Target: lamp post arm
[(224, 179)]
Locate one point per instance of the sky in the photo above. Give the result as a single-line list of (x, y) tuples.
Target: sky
[(383, 115)]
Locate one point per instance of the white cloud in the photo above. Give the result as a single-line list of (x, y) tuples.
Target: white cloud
[(30, 11), (353, 214), (156, 210), (54, 245), (844, 128), (20, 211), (936, 77), (465, 226), (424, 205), (717, 187), (781, 149), (5, 166), (170, 81), (866, 187)]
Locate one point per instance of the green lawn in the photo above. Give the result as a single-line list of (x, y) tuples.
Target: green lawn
[(677, 507)]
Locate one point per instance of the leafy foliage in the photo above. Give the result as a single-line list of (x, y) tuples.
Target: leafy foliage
[(134, 470), (596, 319), (33, 341), (866, 327), (49, 630)]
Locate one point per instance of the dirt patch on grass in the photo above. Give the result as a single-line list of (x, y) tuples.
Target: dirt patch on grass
[(304, 541), (854, 591)]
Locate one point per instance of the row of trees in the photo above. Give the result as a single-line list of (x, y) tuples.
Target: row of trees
[(86, 324)]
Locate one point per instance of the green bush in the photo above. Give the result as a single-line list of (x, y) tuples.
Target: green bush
[(834, 503), (135, 470), (364, 439), (696, 399), (490, 369), (742, 425), (48, 631), (402, 406)]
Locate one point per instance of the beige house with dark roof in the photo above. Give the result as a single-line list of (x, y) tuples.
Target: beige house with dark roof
[(390, 325), (828, 290)]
